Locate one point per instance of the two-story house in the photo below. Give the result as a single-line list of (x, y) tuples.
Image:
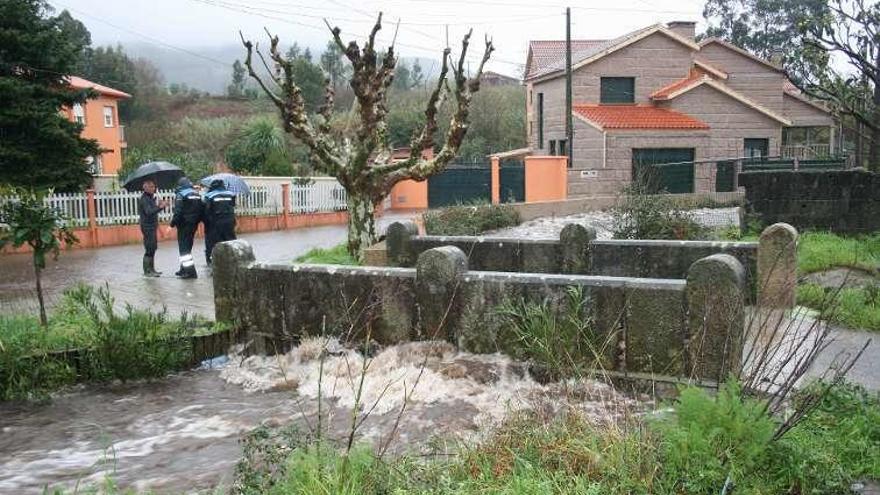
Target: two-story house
[(658, 96), (100, 119)]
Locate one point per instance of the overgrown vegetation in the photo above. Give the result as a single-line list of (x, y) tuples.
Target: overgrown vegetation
[(107, 345), (851, 307), (337, 255), (703, 444), (470, 219), (640, 215)]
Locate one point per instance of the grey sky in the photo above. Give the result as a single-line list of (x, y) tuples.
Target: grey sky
[(200, 24)]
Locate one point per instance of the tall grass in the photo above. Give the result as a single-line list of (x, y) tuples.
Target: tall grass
[(337, 255), (87, 339)]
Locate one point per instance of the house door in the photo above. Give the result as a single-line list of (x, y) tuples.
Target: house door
[(757, 148), (649, 168)]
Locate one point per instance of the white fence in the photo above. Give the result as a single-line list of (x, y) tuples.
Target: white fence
[(307, 195)]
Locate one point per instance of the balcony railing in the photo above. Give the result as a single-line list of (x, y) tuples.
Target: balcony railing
[(806, 151)]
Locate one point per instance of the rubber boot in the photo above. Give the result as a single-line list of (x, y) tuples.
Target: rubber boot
[(148, 267), (153, 272)]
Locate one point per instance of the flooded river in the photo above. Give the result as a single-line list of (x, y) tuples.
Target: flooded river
[(181, 434)]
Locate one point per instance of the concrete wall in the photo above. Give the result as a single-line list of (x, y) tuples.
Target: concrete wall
[(804, 114), (546, 178), (731, 121), (747, 76), (844, 201), (643, 325)]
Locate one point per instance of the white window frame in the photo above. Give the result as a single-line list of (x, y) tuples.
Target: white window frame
[(79, 113), (109, 118)]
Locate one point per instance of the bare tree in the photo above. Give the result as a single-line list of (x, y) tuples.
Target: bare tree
[(362, 159)]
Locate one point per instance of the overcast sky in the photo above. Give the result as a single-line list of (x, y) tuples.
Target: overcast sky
[(194, 25)]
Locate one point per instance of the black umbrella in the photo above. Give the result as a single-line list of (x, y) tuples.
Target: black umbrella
[(164, 174)]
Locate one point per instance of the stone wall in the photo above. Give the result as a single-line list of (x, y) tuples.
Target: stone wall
[(639, 325), (844, 201)]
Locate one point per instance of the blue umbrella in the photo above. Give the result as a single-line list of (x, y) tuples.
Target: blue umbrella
[(234, 183)]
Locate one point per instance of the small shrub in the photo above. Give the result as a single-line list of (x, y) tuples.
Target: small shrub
[(561, 340), (470, 219), (648, 216), (337, 255)]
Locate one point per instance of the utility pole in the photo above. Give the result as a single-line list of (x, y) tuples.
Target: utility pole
[(569, 128)]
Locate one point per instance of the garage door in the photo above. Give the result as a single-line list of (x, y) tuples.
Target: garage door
[(674, 179)]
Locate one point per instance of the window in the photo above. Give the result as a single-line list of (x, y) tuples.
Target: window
[(108, 116), (562, 148), (552, 147), (806, 135), (79, 113), (756, 147), (540, 120), (617, 90)]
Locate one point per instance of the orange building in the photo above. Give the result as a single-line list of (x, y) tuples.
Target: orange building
[(100, 118)]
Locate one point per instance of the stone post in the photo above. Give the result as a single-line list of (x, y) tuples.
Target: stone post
[(231, 258), (439, 272), (496, 180), (397, 237), (716, 289), (574, 244), (777, 267)]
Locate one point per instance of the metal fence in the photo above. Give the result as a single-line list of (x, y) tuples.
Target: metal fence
[(307, 195)]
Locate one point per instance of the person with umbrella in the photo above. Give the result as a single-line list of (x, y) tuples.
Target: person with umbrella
[(188, 213), (148, 217), (219, 216), (147, 178)]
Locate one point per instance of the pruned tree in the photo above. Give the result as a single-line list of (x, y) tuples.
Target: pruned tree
[(361, 158)]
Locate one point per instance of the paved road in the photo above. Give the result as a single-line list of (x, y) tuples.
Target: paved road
[(120, 268)]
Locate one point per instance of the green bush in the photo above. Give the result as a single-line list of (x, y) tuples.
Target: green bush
[(110, 346), (638, 215), (470, 219)]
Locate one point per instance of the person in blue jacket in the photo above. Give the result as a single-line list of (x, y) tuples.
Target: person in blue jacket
[(188, 211), (219, 216)]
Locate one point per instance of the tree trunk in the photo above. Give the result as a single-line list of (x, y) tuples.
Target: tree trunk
[(43, 320), (361, 223), (874, 150)]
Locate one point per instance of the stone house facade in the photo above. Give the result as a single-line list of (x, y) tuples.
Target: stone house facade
[(655, 96)]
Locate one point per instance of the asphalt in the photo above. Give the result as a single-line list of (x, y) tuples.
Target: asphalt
[(119, 267)]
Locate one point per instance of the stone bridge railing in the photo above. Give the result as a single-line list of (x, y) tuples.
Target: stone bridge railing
[(687, 326)]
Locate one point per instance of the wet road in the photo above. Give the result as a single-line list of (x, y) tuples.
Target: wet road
[(120, 268)]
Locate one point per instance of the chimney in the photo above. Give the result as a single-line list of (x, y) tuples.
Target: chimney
[(685, 29)]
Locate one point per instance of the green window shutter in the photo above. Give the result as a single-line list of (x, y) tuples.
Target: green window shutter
[(617, 90)]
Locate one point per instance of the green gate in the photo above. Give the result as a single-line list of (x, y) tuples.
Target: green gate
[(460, 184), (512, 178), (651, 169), (725, 173)]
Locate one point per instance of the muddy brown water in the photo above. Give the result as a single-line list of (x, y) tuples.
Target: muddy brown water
[(182, 434)]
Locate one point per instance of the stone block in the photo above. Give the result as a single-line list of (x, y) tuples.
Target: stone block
[(574, 242), (716, 288), (397, 242), (230, 259), (376, 255), (777, 266), (655, 340), (439, 272)]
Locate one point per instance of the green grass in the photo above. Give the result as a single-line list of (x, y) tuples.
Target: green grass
[(111, 345), (693, 447), (820, 251), (337, 255), (854, 308)]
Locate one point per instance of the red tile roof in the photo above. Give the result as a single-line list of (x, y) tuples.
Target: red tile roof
[(637, 117), (666, 91), (80, 83)]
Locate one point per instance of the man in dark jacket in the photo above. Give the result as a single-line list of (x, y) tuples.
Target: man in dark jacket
[(148, 213), (187, 215), (219, 216)]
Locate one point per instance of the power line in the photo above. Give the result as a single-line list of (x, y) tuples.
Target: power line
[(260, 13), (145, 36)]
